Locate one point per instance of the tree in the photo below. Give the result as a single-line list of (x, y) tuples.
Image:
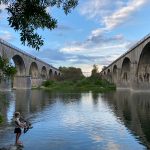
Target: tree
[(104, 67), (27, 16), (94, 72), (6, 69), (71, 73)]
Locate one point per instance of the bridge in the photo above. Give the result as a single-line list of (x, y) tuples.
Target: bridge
[(132, 69), (31, 71)]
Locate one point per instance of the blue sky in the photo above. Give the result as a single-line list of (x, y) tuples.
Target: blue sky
[(96, 32)]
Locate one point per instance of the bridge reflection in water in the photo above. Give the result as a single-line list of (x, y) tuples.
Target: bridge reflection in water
[(80, 120), (133, 109)]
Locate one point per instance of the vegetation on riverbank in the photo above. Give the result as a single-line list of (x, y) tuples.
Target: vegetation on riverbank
[(72, 79), (3, 104), (1, 118), (85, 84)]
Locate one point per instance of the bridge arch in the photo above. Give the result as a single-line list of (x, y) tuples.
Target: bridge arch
[(55, 73), (109, 76), (115, 73), (19, 64), (108, 71), (50, 74), (33, 71), (143, 70), (125, 70), (44, 73)]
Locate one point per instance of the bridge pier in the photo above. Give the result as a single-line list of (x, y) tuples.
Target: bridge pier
[(22, 82), (36, 82), (5, 85)]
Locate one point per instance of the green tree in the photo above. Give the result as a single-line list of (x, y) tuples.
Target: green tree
[(26, 16), (71, 73), (94, 72), (104, 67), (6, 69)]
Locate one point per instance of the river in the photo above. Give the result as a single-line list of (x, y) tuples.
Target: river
[(78, 121)]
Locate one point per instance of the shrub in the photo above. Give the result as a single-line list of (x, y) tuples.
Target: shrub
[(1, 118), (48, 83)]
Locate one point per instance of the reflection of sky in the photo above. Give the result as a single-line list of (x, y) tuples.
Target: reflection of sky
[(64, 123), (100, 125), (10, 111), (11, 108)]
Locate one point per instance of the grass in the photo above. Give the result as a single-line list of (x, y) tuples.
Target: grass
[(86, 84)]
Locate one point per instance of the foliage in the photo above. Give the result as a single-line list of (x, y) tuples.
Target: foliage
[(94, 72), (104, 67), (6, 69), (48, 83), (3, 104), (71, 73), (93, 84), (1, 118), (27, 16)]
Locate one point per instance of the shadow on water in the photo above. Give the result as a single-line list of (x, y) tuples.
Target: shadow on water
[(133, 109)]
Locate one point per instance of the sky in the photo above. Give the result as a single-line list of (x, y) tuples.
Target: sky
[(95, 32)]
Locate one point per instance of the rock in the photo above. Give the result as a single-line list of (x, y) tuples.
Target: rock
[(12, 147), (3, 148)]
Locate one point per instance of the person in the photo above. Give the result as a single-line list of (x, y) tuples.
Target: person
[(18, 126), (27, 124)]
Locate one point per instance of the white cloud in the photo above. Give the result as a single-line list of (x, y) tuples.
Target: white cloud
[(92, 8), (93, 46), (110, 14), (7, 36), (3, 7), (99, 50), (120, 15)]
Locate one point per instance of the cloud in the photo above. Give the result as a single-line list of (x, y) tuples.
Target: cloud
[(110, 14), (64, 28), (96, 50), (95, 8), (7, 36), (3, 7), (95, 44), (120, 15), (98, 47)]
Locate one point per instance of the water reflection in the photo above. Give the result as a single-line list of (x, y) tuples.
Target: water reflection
[(76, 121), (134, 111)]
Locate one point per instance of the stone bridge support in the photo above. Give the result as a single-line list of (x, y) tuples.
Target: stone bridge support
[(132, 69), (31, 71)]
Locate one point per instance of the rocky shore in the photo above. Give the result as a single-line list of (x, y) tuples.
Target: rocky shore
[(12, 147)]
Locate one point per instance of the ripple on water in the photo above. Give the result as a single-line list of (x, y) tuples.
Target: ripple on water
[(78, 121)]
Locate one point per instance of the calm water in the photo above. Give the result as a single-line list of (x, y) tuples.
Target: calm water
[(79, 121)]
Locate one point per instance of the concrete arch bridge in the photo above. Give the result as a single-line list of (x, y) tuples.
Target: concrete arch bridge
[(132, 69), (31, 71)]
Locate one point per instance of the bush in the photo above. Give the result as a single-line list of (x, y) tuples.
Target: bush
[(1, 118), (48, 83)]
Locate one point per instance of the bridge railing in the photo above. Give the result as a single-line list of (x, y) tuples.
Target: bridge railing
[(23, 52)]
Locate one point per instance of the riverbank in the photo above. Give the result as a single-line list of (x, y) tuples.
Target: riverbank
[(83, 85), (1, 119)]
